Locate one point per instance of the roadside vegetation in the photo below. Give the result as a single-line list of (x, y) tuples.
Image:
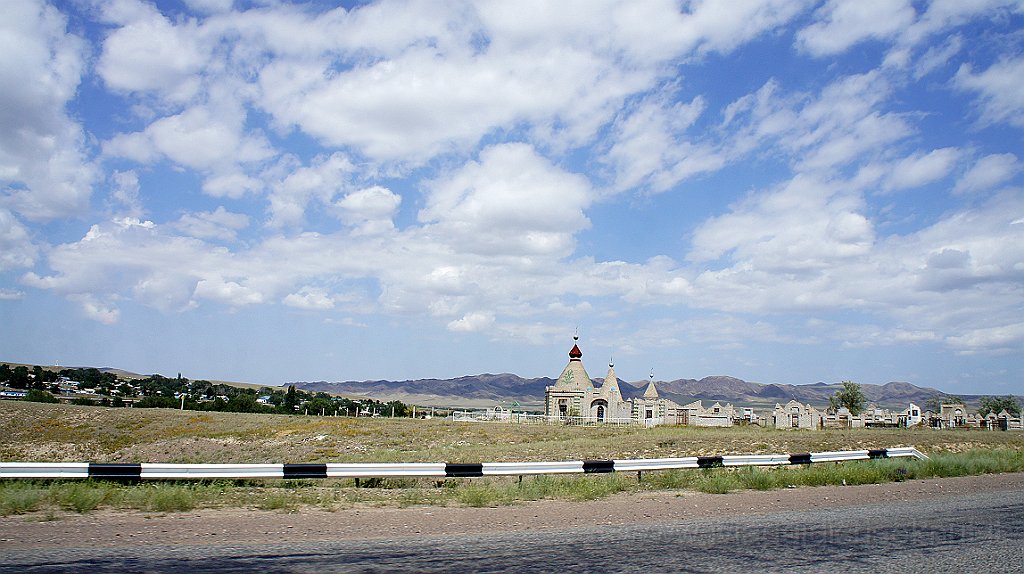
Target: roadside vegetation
[(71, 433)]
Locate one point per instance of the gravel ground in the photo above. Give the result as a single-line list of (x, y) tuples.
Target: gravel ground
[(107, 529)]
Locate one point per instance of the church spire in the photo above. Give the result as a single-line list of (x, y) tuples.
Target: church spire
[(652, 391), (610, 388)]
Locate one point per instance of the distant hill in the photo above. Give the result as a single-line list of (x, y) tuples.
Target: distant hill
[(490, 390), (121, 373), (476, 391)]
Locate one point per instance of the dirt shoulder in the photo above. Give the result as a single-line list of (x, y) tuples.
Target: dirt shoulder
[(116, 529)]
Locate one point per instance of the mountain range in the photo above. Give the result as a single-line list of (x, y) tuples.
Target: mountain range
[(489, 390)]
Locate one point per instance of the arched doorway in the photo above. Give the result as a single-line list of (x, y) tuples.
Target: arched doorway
[(599, 409)]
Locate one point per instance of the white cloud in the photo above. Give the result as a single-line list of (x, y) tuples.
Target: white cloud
[(999, 95), (938, 56), (310, 298), (218, 224), (406, 109), (209, 140), (149, 53), (98, 311), (44, 165), (842, 24), (414, 89), (921, 169), (126, 192), (226, 292), (797, 230), (11, 295), (134, 146), (799, 247), (941, 15), (206, 140), (16, 248), (989, 172), (194, 138), (124, 257), (320, 182), (231, 184), (841, 125), (472, 323), (1005, 338), (722, 27), (513, 201), (651, 147), (370, 210)]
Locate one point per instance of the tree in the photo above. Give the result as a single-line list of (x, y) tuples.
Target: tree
[(19, 377), (935, 402), (243, 403), (38, 378), (159, 402), (996, 405), (396, 408), (290, 400), (850, 396), (320, 405), (37, 396)]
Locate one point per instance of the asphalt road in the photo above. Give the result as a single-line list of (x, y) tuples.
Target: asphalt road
[(965, 533)]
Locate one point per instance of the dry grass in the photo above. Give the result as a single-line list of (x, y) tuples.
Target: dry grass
[(66, 433), (69, 433)]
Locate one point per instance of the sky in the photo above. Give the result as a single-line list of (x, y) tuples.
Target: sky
[(782, 191)]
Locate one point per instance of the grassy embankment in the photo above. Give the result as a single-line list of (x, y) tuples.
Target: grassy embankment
[(37, 432)]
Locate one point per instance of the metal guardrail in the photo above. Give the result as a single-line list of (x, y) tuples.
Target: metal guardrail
[(170, 471)]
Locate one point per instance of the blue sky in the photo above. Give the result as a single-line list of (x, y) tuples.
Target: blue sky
[(776, 190)]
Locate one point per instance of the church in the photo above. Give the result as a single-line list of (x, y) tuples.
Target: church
[(574, 395)]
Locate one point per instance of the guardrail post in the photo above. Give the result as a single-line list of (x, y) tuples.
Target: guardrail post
[(639, 476)]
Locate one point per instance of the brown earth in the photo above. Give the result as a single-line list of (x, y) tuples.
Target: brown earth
[(113, 529)]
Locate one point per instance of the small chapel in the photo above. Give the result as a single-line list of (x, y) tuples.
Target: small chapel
[(574, 395)]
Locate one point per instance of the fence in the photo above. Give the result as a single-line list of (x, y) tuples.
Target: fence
[(497, 416), (173, 471)]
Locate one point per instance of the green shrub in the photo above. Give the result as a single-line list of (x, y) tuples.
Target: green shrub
[(20, 497), (756, 478), (718, 482), (163, 497), (668, 479), (275, 501), (82, 497), (479, 495)]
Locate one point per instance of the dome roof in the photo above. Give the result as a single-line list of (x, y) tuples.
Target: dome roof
[(574, 377), (575, 354)]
